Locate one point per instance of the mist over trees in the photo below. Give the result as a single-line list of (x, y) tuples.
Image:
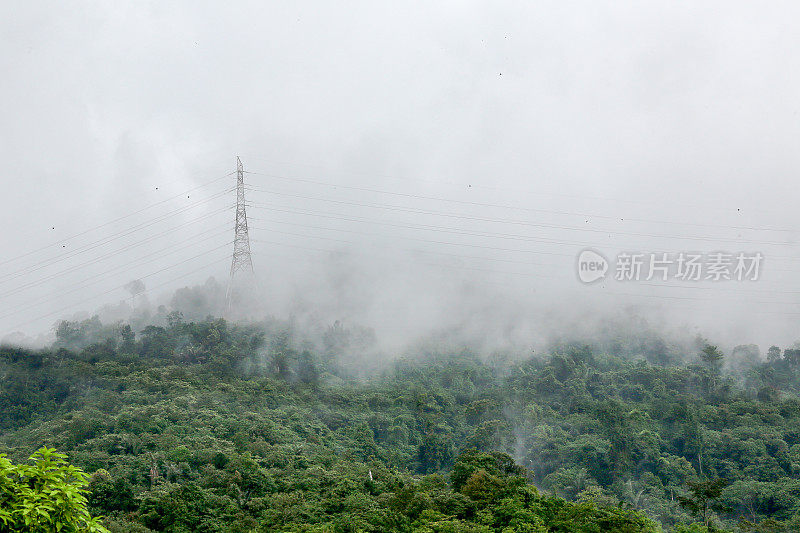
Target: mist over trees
[(188, 422)]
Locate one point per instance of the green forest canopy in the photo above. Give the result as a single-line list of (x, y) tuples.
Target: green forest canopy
[(213, 426)]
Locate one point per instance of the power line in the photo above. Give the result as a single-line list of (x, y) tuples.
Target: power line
[(123, 217), (495, 248), (517, 222), (450, 244), (475, 184), (422, 227), (518, 208), (440, 229), (427, 227), (114, 253), (98, 278), (105, 240)]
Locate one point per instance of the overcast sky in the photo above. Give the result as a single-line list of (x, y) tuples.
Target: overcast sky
[(457, 156)]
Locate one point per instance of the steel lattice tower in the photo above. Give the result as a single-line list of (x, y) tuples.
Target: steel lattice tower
[(241, 260)]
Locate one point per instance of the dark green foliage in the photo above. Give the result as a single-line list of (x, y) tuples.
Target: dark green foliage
[(212, 426), (703, 498), (712, 356)]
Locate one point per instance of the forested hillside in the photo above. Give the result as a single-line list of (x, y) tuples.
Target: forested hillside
[(214, 426)]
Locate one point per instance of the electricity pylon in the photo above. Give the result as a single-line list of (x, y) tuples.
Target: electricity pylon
[(241, 262)]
